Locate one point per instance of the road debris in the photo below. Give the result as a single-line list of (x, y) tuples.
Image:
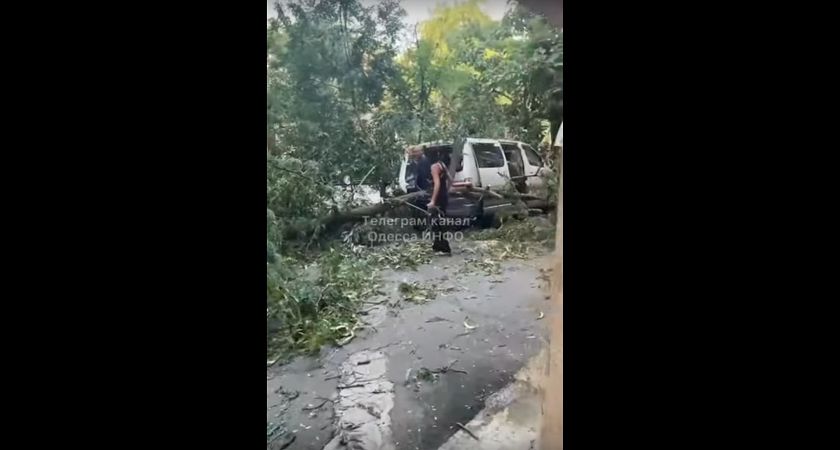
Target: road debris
[(288, 442), (342, 342), (451, 347), (468, 326), (277, 431), (467, 431), (437, 319), (408, 255), (287, 395), (432, 375), (416, 293), (486, 266), (310, 407), (426, 375)]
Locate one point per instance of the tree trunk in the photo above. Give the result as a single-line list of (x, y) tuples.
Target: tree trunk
[(354, 215), (357, 214)]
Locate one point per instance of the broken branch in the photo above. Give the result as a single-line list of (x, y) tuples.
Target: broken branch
[(468, 431), (307, 408)]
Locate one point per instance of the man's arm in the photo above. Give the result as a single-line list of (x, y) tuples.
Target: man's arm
[(436, 181)]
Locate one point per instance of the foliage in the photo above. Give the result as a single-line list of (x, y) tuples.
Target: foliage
[(435, 96), (408, 255), (340, 93), (416, 293), (438, 29), (520, 62), (529, 230), (485, 265), (466, 74), (330, 62), (309, 306), (296, 198)]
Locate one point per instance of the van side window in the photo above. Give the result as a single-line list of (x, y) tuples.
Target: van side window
[(488, 155), (533, 157), (410, 174)]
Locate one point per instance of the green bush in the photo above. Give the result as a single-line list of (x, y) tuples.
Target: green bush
[(296, 198), (314, 304)]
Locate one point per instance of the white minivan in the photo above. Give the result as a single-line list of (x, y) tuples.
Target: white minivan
[(488, 163), (485, 163)]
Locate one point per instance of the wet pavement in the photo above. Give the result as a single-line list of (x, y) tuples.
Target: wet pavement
[(511, 417), (442, 358)]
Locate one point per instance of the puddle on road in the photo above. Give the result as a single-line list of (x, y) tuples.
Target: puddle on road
[(511, 417), (426, 418)]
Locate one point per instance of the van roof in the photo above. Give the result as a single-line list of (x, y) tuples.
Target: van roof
[(434, 144), (469, 139)]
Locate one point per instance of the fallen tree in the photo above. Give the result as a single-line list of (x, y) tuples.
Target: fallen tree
[(527, 201), (338, 218), (356, 214)]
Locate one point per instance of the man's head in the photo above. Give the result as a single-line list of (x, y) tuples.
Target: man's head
[(415, 152)]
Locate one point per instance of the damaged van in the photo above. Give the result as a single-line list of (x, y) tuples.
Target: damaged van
[(486, 164)]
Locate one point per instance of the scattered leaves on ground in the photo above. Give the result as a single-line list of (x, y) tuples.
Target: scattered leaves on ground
[(417, 293), (400, 255), (530, 229), (427, 375), (486, 266), (315, 299)]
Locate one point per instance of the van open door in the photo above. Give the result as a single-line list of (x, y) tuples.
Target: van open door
[(516, 165), (535, 167), (490, 160), (456, 161)]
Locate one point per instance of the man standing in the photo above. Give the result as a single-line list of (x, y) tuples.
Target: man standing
[(439, 200)]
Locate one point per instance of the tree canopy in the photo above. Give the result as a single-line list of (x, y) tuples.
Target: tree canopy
[(342, 94)]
